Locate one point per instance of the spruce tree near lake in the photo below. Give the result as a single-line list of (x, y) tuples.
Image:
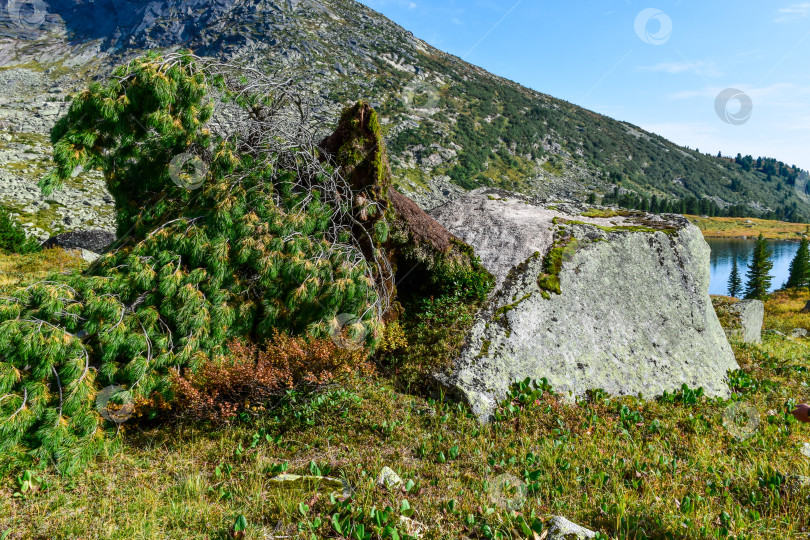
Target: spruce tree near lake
[(759, 271), (734, 281), (800, 267)]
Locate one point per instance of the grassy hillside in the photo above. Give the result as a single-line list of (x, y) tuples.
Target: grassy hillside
[(449, 124)]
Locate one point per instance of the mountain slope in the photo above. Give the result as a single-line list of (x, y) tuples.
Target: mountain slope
[(450, 125)]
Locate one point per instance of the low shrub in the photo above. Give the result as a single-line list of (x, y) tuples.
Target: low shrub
[(252, 377), (427, 339), (12, 237)]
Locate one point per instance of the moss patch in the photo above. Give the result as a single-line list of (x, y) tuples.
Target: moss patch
[(549, 281), (606, 213)]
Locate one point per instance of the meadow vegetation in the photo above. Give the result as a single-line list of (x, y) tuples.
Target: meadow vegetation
[(681, 466), (721, 227)]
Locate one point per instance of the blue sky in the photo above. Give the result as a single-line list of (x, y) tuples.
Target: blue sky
[(657, 65)]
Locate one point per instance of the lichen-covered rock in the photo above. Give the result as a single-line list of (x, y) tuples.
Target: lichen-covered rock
[(743, 320), (388, 479), (586, 298), (562, 529)]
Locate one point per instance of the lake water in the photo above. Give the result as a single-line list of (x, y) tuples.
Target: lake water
[(724, 251)]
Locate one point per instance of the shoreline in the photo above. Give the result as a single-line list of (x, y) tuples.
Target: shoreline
[(748, 228)]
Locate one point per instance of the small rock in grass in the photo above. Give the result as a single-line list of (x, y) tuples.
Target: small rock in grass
[(562, 529), (798, 332), (389, 479), (806, 450)]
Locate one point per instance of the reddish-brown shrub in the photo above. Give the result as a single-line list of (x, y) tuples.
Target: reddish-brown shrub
[(253, 376)]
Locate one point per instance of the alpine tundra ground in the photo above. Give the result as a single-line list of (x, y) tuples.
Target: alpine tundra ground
[(678, 467)]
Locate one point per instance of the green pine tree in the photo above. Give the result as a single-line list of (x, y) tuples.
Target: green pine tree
[(734, 281), (759, 271), (800, 267), (12, 237)]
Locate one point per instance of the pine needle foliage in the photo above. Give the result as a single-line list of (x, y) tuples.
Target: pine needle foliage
[(12, 237), (800, 267), (735, 281), (268, 244)]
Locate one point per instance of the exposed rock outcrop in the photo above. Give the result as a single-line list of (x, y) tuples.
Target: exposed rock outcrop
[(743, 320), (93, 240), (587, 299)]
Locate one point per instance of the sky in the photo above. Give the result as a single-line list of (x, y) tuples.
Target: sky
[(715, 75)]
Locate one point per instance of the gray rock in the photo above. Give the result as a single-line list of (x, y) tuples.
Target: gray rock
[(562, 529), (634, 314), (88, 256), (92, 240), (798, 332), (796, 483), (388, 479), (746, 323)]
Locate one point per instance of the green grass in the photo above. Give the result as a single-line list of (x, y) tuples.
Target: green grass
[(626, 467), (17, 269)]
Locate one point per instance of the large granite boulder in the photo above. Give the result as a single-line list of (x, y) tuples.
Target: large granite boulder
[(587, 298)]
